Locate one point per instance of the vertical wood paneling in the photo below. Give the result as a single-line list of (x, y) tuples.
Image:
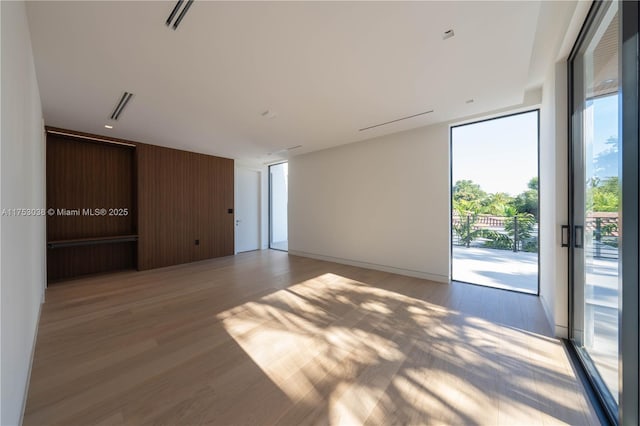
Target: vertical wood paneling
[(175, 198), (183, 197), (81, 175), (204, 224), (88, 175), (226, 188)]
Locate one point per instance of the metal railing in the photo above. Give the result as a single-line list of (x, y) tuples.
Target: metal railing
[(491, 231), (601, 232)]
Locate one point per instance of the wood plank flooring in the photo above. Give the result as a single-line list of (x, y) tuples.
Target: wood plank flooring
[(265, 338)]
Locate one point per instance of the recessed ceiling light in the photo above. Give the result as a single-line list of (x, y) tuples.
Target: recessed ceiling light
[(447, 34), (269, 114), (108, 126)]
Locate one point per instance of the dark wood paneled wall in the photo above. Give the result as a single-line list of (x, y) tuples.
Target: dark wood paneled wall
[(183, 197), (174, 198), (87, 175)]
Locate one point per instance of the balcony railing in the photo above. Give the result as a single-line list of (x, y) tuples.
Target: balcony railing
[(601, 233)]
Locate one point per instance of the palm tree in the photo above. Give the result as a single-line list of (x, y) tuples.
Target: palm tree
[(520, 227), (468, 213), (495, 204)]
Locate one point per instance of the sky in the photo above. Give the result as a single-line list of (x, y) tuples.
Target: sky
[(500, 155), (605, 116)]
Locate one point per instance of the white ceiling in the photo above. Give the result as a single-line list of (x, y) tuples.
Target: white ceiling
[(326, 69)]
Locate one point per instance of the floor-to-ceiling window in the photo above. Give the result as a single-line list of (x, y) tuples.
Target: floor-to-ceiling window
[(598, 234), (494, 202), (278, 199)]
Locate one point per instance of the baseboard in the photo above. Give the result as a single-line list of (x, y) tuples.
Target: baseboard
[(33, 351), (375, 266)]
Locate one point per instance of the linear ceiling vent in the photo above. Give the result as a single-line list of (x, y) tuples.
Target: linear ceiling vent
[(285, 150), (174, 12), (124, 100), (396, 120)]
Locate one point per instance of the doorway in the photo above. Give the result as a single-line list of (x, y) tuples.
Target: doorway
[(247, 210), (278, 206), (494, 202)]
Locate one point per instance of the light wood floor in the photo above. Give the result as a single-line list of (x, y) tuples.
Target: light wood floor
[(265, 338)]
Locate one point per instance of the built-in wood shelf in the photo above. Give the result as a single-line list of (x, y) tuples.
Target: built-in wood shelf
[(91, 241)]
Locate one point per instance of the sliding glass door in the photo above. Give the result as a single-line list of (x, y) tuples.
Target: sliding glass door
[(597, 233)]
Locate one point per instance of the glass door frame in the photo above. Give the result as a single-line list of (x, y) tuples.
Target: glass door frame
[(577, 188), (630, 131), (270, 206), (626, 412)]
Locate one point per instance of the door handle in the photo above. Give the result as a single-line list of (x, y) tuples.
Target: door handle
[(565, 236), (578, 236)]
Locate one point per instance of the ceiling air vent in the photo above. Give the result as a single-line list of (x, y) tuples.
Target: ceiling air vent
[(174, 12), (396, 120), (126, 97), (285, 150)]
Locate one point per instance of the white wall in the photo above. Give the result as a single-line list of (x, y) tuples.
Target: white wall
[(22, 252), (554, 140), (382, 203), (553, 198)]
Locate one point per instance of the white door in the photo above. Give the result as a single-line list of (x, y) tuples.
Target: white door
[(248, 210)]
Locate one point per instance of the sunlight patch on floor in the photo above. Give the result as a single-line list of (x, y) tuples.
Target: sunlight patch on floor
[(361, 352)]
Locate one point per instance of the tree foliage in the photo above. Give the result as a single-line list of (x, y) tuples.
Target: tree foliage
[(521, 224), (468, 191), (527, 202), (480, 202), (603, 190), (604, 195), (470, 200)]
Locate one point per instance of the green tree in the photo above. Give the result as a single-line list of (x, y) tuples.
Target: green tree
[(527, 201), (604, 195), (524, 222), (468, 214), (495, 204), (468, 191), (518, 227)]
